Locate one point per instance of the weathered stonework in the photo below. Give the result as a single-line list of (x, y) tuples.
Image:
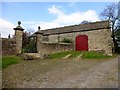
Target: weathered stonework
[(39, 43), (18, 38), (49, 48), (8, 46), (99, 38)]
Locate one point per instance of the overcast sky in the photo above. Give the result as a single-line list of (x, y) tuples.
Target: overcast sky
[(47, 14)]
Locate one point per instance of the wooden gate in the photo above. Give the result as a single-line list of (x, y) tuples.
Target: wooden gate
[(81, 43)]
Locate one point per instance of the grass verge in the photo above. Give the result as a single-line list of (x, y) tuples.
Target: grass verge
[(9, 60), (85, 55), (75, 54), (94, 55), (59, 55)]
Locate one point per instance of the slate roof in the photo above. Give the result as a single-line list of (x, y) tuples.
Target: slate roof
[(77, 28)]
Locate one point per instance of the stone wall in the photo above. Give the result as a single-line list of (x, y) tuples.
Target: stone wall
[(56, 47), (48, 48), (8, 46), (97, 39)]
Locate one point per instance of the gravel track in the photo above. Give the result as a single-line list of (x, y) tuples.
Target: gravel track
[(62, 73)]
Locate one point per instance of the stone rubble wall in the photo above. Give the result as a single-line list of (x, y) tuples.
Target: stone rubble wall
[(97, 40), (48, 48), (8, 46)]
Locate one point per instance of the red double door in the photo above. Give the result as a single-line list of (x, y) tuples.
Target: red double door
[(81, 43)]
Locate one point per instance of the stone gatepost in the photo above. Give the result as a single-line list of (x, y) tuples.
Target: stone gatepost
[(18, 38), (39, 37)]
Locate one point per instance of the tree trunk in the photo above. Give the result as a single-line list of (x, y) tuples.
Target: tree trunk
[(113, 36)]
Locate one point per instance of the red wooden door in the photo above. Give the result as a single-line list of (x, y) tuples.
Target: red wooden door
[(82, 43)]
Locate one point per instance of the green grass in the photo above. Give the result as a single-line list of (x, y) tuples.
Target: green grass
[(59, 55), (0, 62), (94, 55), (75, 54), (9, 60), (85, 55)]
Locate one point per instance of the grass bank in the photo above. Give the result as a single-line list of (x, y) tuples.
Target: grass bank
[(10, 60), (94, 55), (84, 55)]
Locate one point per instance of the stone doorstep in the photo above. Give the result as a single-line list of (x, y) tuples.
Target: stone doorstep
[(31, 56)]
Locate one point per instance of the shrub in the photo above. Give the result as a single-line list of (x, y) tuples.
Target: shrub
[(66, 40), (29, 48)]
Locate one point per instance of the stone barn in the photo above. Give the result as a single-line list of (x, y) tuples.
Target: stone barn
[(94, 36)]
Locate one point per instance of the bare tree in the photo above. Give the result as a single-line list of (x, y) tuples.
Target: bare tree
[(111, 13), (84, 22), (25, 38)]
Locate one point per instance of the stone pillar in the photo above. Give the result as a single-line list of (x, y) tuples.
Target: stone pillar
[(18, 38), (39, 36)]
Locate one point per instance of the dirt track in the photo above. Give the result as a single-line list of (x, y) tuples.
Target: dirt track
[(64, 73)]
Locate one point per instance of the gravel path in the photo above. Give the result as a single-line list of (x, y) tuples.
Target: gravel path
[(64, 73)]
